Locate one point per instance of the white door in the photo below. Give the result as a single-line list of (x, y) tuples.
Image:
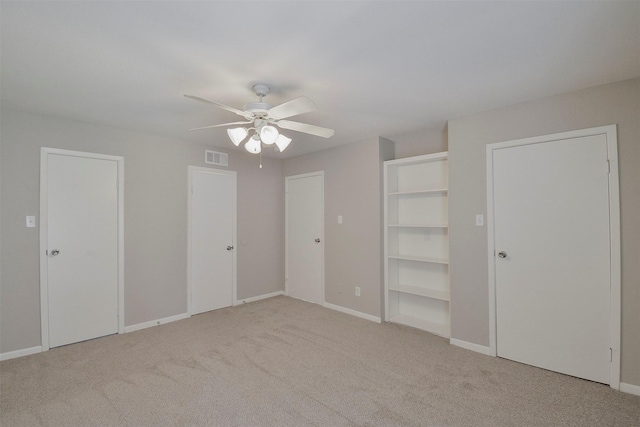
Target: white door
[(553, 263), (304, 237), (82, 250), (212, 225)]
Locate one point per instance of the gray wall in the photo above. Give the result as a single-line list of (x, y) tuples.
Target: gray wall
[(617, 103), (427, 141), (352, 183), (155, 219)]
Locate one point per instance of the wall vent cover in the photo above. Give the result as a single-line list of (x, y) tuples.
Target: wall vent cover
[(216, 158)]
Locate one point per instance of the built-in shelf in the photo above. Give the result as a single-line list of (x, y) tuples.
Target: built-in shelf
[(444, 330), (416, 217), (419, 225), (418, 192), (420, 259), (419, 290)]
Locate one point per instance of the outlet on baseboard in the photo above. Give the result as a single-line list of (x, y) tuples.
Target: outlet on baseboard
[(357, 291)]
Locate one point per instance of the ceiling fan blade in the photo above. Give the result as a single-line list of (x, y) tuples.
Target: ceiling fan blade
[(296, 106), (219, 105), (221, 125), (303, 127)]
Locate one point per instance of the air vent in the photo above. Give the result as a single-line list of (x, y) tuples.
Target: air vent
[(216, 158)]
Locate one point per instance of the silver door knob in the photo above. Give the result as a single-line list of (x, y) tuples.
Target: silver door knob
[(229, 248), (54, 252), (317, 240), (502, 254)]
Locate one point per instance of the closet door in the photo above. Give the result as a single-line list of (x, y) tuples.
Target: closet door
[(553, 263), (81, 268), (304, 237), (212, 224)]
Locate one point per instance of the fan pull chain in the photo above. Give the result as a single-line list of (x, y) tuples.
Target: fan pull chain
[(260, 159)]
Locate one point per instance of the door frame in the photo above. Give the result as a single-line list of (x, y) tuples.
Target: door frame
[(287, 179), (610, 133), (44, 234), (191, 170)]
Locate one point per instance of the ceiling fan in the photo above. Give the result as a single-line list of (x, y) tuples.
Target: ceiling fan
[(261, 117)]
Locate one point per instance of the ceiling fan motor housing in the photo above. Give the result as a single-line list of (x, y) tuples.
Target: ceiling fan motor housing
[(257, 108)]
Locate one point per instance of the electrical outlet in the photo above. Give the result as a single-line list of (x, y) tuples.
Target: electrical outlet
[(357, 291)]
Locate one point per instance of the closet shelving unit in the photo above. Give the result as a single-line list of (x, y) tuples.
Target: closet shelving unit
[(416, 235)]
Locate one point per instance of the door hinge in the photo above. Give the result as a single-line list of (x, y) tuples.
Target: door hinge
[(610, 354), (608, 166), (46, 252)]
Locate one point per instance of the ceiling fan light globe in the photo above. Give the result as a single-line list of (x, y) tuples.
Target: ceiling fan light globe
[(282, 142), (269, 134), (236, 135), (253, 146)]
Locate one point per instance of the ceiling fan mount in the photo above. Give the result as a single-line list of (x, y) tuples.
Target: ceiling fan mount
[(261, 89), (259, 108), (262, 118)]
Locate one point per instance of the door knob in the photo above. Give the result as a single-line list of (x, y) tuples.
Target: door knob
[(502, 254), (317, 240), (229, 248), (54, 252)]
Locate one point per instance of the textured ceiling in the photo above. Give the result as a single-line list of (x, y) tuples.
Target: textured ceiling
[(387, 68)]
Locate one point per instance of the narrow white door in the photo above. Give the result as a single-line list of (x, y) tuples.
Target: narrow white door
[(82, 253), (212, 239), (304, 235), (553, 269)]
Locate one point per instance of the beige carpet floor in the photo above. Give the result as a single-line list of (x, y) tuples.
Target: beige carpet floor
[(283, 362)]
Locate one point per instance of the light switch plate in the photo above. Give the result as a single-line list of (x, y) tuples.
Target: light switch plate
[(31, 221), (339, 219), (479, 220)]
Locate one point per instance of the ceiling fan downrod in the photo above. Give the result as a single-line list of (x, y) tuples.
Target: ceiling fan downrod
[(261, 90)]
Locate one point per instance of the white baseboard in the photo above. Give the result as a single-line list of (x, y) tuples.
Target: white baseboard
[(471, 346), (352, 312), (625, 388), (157, 322), (258, 298), (19, 353), (630, 388)]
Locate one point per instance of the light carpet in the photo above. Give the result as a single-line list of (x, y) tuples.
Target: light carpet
[(284, 362)]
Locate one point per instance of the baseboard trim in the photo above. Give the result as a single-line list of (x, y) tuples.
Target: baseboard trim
[(157, 322), (352, 312), (19, 353), (471, 346), (258, 298), (630, 388)]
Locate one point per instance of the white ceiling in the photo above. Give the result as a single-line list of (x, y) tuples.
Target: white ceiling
[(387, 68)]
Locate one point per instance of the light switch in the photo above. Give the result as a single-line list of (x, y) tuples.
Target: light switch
[(339, 219), (479, 220), (31, 221)]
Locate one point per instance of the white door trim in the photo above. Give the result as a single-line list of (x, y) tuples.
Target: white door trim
[(614, 231), (191, 170), (44, 235), (286, 229)]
